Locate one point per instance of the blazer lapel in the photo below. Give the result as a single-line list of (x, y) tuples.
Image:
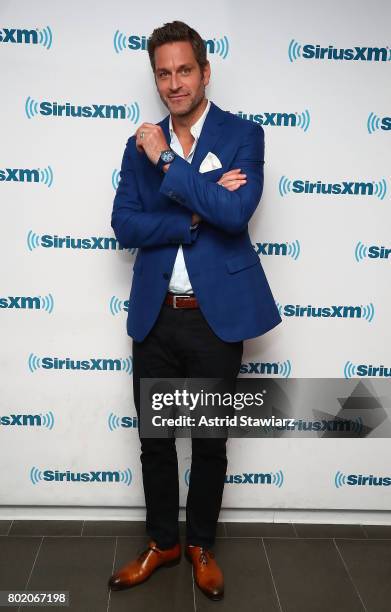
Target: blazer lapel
[(164, 124), (211, 131)]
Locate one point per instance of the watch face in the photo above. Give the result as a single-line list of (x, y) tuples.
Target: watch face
[(167, 156)]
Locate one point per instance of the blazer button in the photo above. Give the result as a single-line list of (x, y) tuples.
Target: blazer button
[(166, 275)]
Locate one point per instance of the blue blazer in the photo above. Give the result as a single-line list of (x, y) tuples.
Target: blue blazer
[(152, 211)]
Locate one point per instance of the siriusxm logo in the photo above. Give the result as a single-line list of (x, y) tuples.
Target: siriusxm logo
[(121, 476), (262, 478), (27, 302), (116, 305), (135, 42), (92, 111), (374, 251), (27, 175), (365, 369), (18, 36), (359, 480), (92, 243), (300, 120), (375, 123), (275, 368), (285, 249), (28, 420), (355, 188), (366, 312), (316, 52), (115, 176), (115, 422), (91, 365)]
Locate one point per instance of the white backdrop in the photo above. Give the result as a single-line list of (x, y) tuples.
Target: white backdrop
[(57, 178)]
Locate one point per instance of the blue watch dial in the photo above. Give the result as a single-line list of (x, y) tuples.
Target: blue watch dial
[(167, 156)]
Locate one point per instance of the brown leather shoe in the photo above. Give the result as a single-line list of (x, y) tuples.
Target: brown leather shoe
[(208, 575), (141, 568)]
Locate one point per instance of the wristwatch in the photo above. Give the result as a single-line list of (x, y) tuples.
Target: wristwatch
[(166, 157)]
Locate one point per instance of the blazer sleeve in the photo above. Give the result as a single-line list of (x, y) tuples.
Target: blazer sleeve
[(133, 227), (227, 210)]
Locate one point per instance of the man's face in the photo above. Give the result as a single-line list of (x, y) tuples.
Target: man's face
[(180, 82)]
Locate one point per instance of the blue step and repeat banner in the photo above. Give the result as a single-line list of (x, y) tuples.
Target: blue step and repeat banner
[(76, 83)]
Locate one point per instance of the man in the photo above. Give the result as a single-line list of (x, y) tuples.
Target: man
[(188, 188)]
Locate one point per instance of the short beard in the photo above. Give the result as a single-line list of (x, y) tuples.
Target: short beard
[(190, 110)]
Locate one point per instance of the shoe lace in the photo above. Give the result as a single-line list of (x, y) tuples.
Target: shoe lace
[(203, 558)]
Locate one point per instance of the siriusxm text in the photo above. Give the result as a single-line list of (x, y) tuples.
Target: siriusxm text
[(343, 188), (55, 363), (16, 35), (93, 111), (371, 480), (295, 310), (140, 43), (371, 370), (364, 54), (53, 241), (19, 175), (21, 301), (272, 119), (91, 476)]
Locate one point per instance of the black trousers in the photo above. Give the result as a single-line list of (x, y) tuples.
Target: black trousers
[(182, 345)]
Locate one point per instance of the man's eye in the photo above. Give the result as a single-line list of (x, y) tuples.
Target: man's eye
[(162, 75), (185, 70)]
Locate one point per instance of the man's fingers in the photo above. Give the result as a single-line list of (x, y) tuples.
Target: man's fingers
[(232, 175), (232, 171), (230, 182), (233, 185), (224, 180)]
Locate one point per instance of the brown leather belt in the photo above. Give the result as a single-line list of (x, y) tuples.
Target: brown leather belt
[(181, 301)]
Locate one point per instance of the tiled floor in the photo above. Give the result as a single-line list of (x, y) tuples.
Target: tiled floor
[(267, 567)]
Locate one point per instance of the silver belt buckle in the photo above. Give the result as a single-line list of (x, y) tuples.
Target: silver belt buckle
[(174, 297)]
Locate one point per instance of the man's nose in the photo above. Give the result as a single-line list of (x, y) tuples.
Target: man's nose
[(175, 82)]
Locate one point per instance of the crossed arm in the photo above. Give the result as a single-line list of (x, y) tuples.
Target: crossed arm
[(227, 204)]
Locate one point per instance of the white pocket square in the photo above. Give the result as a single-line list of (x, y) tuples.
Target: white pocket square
[(210, 162)]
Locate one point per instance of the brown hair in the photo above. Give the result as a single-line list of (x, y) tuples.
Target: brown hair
[(174, 32)]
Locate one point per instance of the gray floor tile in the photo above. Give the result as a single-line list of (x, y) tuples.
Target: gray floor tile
[(168, 589), (377, 531), (79, 565), (310, 576), (114, 528), (260, 530), (17, 555), (369, 564), (329, 531), (4, 527), (248, 585), (46, 528), (220, 531)]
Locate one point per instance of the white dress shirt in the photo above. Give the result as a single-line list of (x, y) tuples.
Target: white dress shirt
[(180, 282)]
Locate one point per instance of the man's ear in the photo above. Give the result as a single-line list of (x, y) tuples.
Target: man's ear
[(206, 73)]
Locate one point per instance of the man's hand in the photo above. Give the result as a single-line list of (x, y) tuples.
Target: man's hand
[(195, 219), (232, 180), (150, 138)]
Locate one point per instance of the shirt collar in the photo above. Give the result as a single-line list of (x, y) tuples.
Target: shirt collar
[(196, 128)]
